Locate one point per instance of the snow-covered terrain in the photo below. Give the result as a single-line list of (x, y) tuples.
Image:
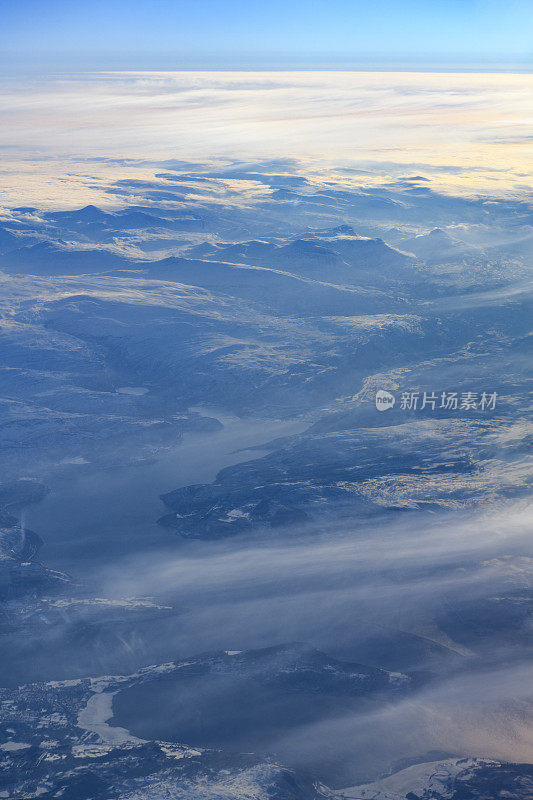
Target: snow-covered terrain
[(225, 571)]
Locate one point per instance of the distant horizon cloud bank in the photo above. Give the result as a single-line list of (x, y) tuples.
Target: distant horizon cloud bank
[(467, 132)]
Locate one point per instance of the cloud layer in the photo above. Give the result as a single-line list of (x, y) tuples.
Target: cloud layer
[(469, 131)]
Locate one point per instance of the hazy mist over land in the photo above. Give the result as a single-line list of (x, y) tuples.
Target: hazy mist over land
[(225, 572)]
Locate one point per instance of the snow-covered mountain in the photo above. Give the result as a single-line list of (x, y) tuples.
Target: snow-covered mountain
[(209, 350)]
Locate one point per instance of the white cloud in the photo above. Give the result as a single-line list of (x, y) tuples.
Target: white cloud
[(475, 124)]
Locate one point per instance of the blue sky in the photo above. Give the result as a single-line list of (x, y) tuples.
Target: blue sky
[(163, 34)]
